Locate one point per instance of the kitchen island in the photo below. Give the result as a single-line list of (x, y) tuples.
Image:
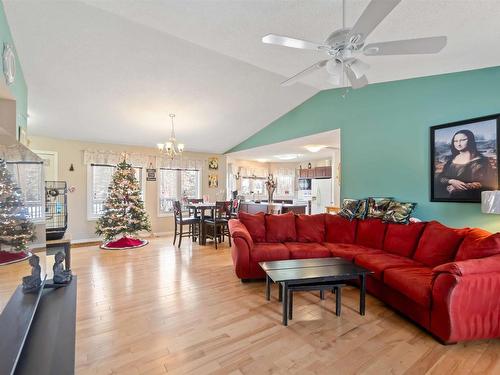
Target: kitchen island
[(254, 207)]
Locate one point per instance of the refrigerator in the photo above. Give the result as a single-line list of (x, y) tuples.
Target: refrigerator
[(321, 194)]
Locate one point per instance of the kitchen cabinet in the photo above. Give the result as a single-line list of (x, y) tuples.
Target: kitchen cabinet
[(323, 172), (306, 173), (318, 172)]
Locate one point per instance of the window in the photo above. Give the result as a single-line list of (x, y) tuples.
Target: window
[(100, 177), (28, 177), (285, 184), (176, 184), (254, 186)]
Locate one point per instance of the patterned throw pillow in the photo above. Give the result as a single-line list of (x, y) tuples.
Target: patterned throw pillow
[(349, 208), (378, 206), (362, 209), (398, 212)]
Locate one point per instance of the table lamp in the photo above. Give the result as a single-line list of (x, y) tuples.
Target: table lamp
[(490, 202)]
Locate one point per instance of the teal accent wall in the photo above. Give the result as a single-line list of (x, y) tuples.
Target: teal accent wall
[(18, 89), (385, 136)]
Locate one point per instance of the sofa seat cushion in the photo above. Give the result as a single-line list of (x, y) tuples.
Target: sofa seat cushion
[(339, 229), (478, 243), (413, 282), (281, 228), (255, 224), (438, 244), (379, 262), (402, 239), (370, 233), (299, 250), (310, 228), (349, 251), (263, 252)]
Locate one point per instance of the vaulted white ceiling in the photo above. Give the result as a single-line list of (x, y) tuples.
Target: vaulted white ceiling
[(111, 71)]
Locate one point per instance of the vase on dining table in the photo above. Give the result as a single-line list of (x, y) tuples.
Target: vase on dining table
[(270, 187)]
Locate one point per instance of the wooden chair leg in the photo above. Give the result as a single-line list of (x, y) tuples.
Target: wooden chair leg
[(215, 236), (180, 235), (229, 237), (175, 230)]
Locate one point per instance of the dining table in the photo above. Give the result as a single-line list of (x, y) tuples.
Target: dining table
[(199, 210)]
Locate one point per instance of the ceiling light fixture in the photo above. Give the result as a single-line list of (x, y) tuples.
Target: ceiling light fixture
[(171, 148), (314, 148), (288, 156)]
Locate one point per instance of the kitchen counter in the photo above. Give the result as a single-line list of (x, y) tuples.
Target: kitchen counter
[(253, 208)]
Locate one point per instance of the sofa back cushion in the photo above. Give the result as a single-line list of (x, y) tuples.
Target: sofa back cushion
[(438, 244), (478, 243), (370, 233), (281, 228), (255, 224), (310, 228), (402, 239), (339, 229)]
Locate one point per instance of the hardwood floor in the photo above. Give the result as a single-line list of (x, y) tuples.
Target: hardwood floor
[(159, 309)]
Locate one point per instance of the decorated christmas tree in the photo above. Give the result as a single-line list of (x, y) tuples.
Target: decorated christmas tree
[(124, 213), (16, 229)]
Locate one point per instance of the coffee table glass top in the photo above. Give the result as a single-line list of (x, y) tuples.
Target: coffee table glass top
[(321, 273), (302, 263)]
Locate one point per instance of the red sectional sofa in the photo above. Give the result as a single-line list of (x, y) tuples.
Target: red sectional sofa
[(447, 280)]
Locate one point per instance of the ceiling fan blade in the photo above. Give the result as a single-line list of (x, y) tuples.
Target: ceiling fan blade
[(286, 41), (373, 14), (356, 83), (406, 47), (306, 71)]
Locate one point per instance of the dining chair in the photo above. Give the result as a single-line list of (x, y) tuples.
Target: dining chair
[(218, 223), (192, 212), (192, 222)]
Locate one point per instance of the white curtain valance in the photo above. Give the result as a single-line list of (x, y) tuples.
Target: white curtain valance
[(113, 158), (179, 163), (283, 171), (253, 172)]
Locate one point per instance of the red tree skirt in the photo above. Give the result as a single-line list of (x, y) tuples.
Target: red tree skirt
[(7, 258), (124, 243)]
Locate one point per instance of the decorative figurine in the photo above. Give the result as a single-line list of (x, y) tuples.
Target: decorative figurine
[(32, 283), (61, 276)]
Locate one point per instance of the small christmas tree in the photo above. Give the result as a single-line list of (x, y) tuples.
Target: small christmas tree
[(124, 212), (16, 229)]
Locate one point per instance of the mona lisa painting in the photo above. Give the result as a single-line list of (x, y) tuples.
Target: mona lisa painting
[(464, 159)]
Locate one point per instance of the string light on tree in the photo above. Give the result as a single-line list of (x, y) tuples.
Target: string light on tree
[(16, 228)]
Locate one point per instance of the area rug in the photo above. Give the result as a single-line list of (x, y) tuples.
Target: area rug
[(8, 258), (124, 243)]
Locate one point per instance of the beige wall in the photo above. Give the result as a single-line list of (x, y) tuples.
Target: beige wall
[(71, 152)]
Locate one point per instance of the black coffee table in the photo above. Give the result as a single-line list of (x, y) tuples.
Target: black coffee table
[(313, 274)]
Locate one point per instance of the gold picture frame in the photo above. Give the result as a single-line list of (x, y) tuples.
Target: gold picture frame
[(213, 181), (213, 164)]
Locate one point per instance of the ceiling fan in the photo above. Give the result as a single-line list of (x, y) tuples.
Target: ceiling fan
[(343, 45)]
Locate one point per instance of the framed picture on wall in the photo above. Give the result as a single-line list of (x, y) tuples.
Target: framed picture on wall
[(464, 159), (213, 181), (213, 164)]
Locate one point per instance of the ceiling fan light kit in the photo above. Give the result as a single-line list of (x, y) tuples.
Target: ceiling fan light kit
[(342, 47)]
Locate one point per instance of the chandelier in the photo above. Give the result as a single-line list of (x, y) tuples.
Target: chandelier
[(171, 148)]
